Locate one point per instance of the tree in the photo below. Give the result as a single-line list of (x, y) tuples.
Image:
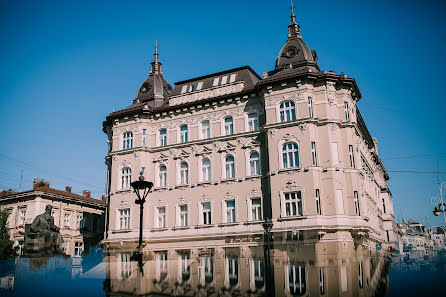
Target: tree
[(6, 245)]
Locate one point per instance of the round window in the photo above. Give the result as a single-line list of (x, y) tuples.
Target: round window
[(291, 52)]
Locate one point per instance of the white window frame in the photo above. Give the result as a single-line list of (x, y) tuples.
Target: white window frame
[(322, 280), (79, 221), (66, 219), (313, 153), (224, 80), (227, 168), (162, 138), (252, 122), (127, 140), (256, 162), (234, 261), (159, 215), (351, 156), (310, 107), (232, 78), (318, 202), (225, 211), (289, 112), (22, 218), (205, 176), (357, 204), (78, 248), (205, 133), (295, 200), (299, 274), (346, 111), (360, 275), (184, 89), (125, 178), (208, 213), (161, 265), (199, 85), (191, 87), (228, 127), (183, 135), (215, 82), (124, 215), (183, 216), (294, 151), (161, 180), (183, 173), (251, 209), (124, 265)]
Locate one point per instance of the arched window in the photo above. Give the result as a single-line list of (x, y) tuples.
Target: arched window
[(287, 111), (206, 169), (184, 173), (163, 137), (126, 178), (290, 155), (254, 163), (163, 176), (253, 122), (205, 130), (230, 167), (229, 126), (127, 140), (183, 133)]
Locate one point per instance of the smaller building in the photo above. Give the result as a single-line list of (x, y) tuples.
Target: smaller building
[(80, 218)]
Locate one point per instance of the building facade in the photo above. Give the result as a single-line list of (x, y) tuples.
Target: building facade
[(81, 218), (228, 150)]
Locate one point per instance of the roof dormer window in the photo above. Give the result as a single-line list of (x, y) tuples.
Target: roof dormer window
[(184, 89), (192, 87), (224, 80), (232, 78), (215, 83), (199, 85)]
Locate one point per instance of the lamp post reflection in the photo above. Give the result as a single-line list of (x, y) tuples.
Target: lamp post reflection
[(269, 274)]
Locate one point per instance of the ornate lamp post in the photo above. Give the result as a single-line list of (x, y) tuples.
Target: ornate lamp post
[(267, 226), (141, 189)]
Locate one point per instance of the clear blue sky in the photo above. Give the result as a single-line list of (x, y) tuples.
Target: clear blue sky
[(65, 65)]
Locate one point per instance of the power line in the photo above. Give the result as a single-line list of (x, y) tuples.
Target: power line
[(414, 171), (415, 156)]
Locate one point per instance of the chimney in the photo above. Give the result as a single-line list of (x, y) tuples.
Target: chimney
[(86, 193), (68, 189), (39, 183)]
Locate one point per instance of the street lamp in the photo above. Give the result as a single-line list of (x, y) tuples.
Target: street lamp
[(267, 226), (438, 204), (141, 189)]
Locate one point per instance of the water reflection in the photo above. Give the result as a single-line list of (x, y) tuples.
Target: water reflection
[(297, 268)]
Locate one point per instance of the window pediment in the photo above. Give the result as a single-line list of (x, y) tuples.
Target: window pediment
[(160, 158), (252, 143), (181, 154), (228, 146), (204, 150)]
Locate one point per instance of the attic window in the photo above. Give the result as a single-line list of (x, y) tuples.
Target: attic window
[(224, 79), (145, 87), (200, 85), (168, 90), (232, 78), (192, 87), (215, 83), (292, 52), (184, 89)]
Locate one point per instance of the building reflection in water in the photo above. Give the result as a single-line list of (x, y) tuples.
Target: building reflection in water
[(302, 266)]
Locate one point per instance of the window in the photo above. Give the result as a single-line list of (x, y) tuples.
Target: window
[(205, 130), (208, 264), (124, 218), (347, 114), (66, 220), (161, 265), (224, 79), (184, 89), (232, 78), (313, 153), (253, 123), (143, 169), (206, 208), (297, 280), (163, 137), (22, 218), (163, 176), (310, 107), (206, 170), (78, 248), (360, 275), (258, 271), (127, 140), (293, 204), (183, 134), (384, 206), (287, 111), (256, 209), (79, 222), (230, 167), (183, 215), (356, 198), (232, 270), (126, 178), (143, 137), (388, 235), (230, 211), (290, 155), (352, 158), (161, 215), (254, 163), (184, 173), (184, 266), (124, 267), (318, 203), (339, 202), (215, 83), (191, 87), (229, 126), (334, 153), (199, 85), (321, 281)]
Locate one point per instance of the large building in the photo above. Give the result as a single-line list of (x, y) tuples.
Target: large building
[(80, 218), (228, 150)]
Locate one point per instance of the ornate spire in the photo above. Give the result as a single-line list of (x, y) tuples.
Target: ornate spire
[(156, 64), (293, 28)]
